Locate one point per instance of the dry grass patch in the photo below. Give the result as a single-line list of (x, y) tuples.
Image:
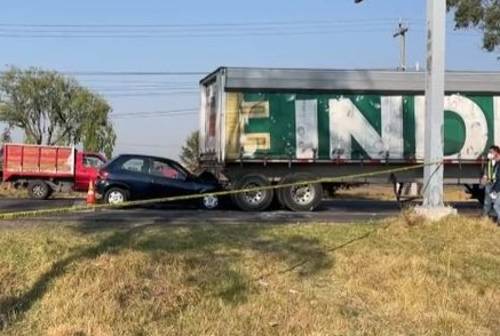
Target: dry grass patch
[(387, 278)]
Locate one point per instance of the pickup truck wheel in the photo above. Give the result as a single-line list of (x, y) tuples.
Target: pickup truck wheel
[(116, 196), (258, 200), (301, 197), (39, 190)]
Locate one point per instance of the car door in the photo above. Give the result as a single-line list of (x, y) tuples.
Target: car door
[(134, 173), (169, 180)]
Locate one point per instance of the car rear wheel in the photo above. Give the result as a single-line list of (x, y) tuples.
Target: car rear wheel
[(254, 200), (39, 190), (301, 197), (115, 196)]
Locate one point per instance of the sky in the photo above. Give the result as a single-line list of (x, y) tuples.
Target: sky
[(196, 37)]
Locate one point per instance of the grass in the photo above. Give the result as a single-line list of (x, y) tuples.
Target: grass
[(398, 277)]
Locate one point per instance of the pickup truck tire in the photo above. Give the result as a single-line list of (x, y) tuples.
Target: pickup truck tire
[(255, 200), (116, 196), (305, 197), (39, 189)]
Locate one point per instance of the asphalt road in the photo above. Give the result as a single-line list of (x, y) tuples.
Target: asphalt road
[(330, 211)]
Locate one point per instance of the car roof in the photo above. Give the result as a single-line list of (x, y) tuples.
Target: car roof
[(143, 156)]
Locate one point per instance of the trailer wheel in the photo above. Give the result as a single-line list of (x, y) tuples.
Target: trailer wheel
[(258, 200), (303, 197), (39, 189)]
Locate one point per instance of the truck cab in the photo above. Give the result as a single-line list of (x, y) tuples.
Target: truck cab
[(47, 169), (87, 168)]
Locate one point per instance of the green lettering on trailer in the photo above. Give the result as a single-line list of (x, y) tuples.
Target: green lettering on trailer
[(280, 124)]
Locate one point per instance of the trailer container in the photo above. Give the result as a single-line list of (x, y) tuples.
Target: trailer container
[(272, 126)]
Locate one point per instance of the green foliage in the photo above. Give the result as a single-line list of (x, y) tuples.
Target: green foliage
[(190, 152), (5, 136), (55, 110), (482, 14)]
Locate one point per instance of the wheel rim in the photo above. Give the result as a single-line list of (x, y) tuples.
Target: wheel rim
[(38, 190), (254, 197), (116, 197), (210, 201), (303, 194)]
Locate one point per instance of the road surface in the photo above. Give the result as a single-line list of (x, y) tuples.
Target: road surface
[(331, 211)]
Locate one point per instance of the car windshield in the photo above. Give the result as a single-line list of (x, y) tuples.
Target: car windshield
[(168, 170), (92, 161)]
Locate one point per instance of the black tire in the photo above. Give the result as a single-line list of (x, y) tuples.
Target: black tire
[(253, 201), (308, 200), (39, 190), (209, 202), (113, 195)]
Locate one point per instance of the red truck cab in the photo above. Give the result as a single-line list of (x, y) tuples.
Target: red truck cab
[(45, 169), (87, 169)]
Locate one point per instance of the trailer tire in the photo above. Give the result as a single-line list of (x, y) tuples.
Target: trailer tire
[(39, 189), (253, 201), (301, 197)]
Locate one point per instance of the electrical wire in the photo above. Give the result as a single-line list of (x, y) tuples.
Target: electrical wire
[(212, 24), (155, 114)]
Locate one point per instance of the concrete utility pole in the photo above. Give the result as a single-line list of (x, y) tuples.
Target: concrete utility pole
[(401, 33), (433, 205)]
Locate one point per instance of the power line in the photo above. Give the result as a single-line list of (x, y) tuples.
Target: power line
[(123, 144), (167, 115), (130, 73), (204, 30), (156, 112), (188, 35), (148, 94), (118, 89), (206, 24)]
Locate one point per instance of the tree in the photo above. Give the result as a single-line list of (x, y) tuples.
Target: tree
[(482, 14), (5, 136), (190, 152), (55, 110)]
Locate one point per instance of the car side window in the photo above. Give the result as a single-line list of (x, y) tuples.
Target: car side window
[(92, 161), (134, 165), (164, 169)]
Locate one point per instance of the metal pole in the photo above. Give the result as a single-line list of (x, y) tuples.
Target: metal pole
[(434, 114)]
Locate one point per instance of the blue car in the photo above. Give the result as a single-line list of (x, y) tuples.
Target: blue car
[(138, 177)]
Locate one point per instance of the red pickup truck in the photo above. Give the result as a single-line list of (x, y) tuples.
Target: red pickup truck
[(45, 169)]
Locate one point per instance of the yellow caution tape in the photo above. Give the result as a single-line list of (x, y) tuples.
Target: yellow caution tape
[(83, 208)]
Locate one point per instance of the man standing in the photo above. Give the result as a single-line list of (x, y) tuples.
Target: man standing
[(495, 187), (488, 180)]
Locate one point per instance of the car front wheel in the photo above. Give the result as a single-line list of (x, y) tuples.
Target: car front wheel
[(210, 202), (115, 196)]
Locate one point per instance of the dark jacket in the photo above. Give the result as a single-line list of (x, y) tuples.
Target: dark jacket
[(496, 172)]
